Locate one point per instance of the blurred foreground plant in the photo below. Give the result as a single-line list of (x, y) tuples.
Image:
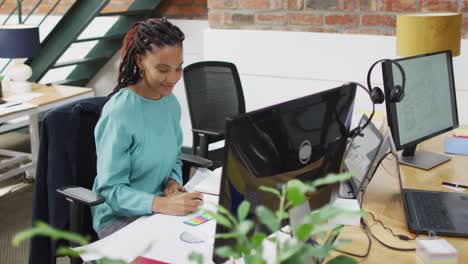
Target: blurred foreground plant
[(301, 247)]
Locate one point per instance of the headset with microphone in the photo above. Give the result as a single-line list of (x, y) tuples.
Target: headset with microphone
[(377, 96), (396, 93)]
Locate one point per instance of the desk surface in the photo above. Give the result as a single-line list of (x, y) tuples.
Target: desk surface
[(383, 199), (50, 96), (55, 93)]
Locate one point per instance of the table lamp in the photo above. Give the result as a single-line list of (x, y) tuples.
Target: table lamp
[(421, 33), (19, 42)]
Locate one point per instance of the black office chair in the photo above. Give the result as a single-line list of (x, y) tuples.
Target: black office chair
[(214, 92), (67, 158)]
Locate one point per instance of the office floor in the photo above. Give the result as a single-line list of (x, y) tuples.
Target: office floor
[(15, 208), (16, 204), (15, 216)]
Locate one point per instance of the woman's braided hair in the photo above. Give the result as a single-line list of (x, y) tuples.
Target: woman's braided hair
[(143, 37)]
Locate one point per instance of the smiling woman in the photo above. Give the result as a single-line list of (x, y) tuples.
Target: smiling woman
[(138, 137)]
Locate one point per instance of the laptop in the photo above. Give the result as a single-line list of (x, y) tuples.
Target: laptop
[(439, 213), (361, 159)]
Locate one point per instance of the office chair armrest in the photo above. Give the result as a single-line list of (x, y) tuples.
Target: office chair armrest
[(205, 137), (207, 132), (81, 195), (195, 161)]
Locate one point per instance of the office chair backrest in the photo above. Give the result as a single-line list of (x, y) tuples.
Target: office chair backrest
[(86, 169), (67, 156), (214, 92)]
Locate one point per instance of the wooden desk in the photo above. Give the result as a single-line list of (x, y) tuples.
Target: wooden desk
[(51, 97), (383, 198)]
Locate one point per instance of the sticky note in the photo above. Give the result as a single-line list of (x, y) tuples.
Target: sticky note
[(460, 132)]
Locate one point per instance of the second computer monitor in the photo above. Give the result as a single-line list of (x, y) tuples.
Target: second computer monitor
[(429, 106)]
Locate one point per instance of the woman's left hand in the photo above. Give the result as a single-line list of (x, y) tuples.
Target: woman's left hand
[(173, 187)]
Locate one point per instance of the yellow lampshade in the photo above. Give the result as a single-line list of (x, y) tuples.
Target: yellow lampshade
[(421, 33)]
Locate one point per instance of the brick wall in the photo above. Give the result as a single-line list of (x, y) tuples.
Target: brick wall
[(168, 8), (376, 17)]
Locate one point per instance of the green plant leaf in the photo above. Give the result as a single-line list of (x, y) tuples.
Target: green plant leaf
[(243, 248), (325, 213), (254, 259), (322, 229), (227, 252), (243, 210), (245, 226), (257, 239), (42, 229), (328, 212), (331, 240), (196, 257), (330, 179), (66, 251), (271, 190), (295, 192), (266, 217), (272, 239), (342, 260), (223, 211), (227, 235), (220, 219), (110, 261), (294, 183), (282, 215), (293, 253), (303, 232), (316, 251)]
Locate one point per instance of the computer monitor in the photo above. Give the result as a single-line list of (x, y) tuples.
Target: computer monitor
[(429, 106), (300, 139)]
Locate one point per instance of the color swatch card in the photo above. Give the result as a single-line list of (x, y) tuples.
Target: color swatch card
[(198, 220), (143, 260)]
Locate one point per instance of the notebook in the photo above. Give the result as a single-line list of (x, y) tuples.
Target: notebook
[(456, 145)]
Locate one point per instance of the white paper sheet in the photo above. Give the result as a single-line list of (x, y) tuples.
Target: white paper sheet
[(157, 237), (205, 181), (126, 244)]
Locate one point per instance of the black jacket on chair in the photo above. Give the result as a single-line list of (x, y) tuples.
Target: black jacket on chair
[(60, 152)]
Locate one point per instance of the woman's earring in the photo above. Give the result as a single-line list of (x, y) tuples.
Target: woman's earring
[(142, 73)]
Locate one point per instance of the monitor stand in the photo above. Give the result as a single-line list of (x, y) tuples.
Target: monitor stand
[(421, 159)]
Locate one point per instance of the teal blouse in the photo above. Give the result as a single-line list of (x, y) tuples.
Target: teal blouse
[(138, 143)]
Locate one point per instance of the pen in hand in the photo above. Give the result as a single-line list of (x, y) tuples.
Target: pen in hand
[(183, 190)]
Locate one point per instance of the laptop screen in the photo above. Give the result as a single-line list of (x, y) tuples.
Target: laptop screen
[(360, 159)]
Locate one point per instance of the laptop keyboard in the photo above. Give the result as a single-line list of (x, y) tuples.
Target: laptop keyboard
[(431, 212)]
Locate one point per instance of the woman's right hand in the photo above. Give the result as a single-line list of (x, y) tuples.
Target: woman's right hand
[(179, 204)]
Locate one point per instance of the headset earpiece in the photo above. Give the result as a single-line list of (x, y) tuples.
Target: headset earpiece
[(377, 95), (397, 94)]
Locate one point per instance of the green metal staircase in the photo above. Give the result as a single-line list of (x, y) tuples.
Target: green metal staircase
[(78, 17)]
